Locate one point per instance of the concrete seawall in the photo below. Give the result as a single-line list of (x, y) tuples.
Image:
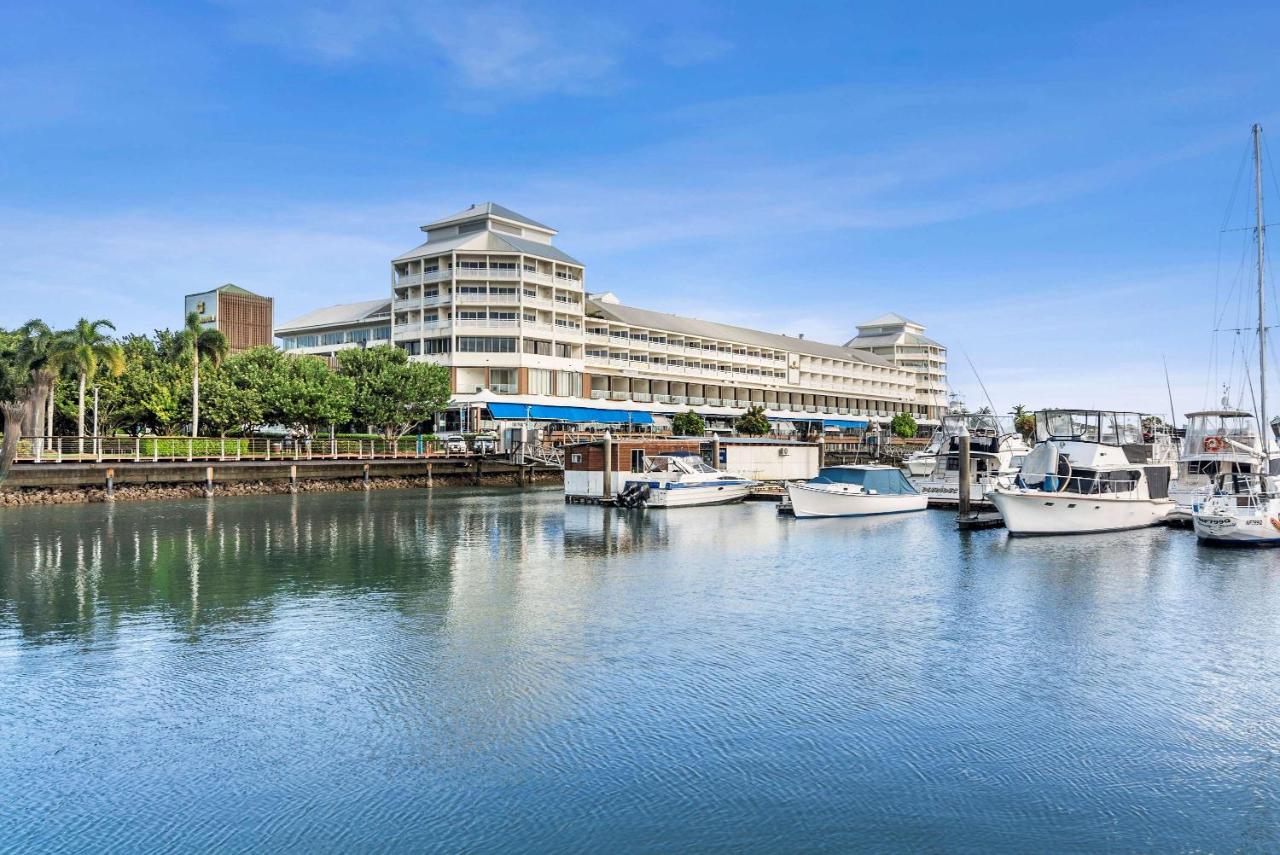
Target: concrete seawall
[(44, 483)]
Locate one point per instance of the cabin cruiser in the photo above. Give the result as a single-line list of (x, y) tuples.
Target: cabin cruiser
[(853, 491), (921, 464), (1090, 471), (682, 480), (1217, 442), (996, 456)]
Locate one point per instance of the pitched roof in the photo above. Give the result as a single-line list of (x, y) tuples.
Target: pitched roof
[(889, 319), (725, 332), (345, 313), (490, 209), (879, 339), (486, 241)]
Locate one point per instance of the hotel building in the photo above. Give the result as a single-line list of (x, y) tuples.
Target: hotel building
[(490, 296)]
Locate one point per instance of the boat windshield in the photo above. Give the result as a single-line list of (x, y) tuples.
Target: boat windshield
[(981, 424), (689, 465), (878, 480), (1111, 428), (1207, 433)]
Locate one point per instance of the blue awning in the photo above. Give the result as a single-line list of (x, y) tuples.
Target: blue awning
[(547, 413), (844, 423)]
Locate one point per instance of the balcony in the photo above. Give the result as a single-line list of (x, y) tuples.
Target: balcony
[(619, 396), (491, 323), (464, 298), (600, 394), (486, 273), (643, 397)]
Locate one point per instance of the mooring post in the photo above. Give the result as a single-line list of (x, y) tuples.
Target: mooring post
[(607, 492), (430, 483), (293, 477), (208, 482), (966, 469), (111, 484), (479, 468), (366, 476), (715, 451)]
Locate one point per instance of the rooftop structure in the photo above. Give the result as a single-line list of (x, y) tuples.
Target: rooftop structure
[(324, 332)]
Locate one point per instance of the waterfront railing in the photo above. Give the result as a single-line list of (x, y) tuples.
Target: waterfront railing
[(170, 449)]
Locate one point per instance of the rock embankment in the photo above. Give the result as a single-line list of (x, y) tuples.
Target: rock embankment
[(142, 492)]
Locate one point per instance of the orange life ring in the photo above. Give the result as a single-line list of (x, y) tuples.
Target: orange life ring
[(1214, 443)]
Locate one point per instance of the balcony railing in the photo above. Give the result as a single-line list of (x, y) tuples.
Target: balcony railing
[(485, 273), (501, 323), (600, 394)]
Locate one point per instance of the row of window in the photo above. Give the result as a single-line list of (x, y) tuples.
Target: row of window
[(329, 339)]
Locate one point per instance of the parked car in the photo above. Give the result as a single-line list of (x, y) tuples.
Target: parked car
[(455, 444), (484, 443)]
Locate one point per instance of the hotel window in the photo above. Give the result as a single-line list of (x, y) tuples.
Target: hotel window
[(358, 335), (530, 292), (434, 345), (287, 344), (502, 265), (530, 317), (472, 315), (472, 291), (564, 351), (308, 341), (472, 265), (536, 347), (381, 333), (505, 292), (409, 347), (595, 353), (502, 316), (485, 344), (504, 380), (471, 228), (540, 381), (569, 384)]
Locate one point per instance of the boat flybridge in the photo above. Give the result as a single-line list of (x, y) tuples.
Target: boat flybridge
[(1217, 442), (853, 491), (683, 480), (997, 456), (1090, 471)]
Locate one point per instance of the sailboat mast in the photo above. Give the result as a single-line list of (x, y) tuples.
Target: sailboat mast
[(1264, 427)]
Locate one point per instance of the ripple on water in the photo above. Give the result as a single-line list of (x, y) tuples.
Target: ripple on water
[(490, 670)]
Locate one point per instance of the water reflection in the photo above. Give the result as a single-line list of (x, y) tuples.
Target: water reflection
[(494, 670)]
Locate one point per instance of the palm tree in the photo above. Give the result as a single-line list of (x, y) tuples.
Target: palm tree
[(86, 347), (196, 343), (40, 354)]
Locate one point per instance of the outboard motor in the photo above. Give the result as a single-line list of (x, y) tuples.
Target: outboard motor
[(636, 495)]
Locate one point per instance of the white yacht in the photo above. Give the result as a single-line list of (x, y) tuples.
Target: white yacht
[(853, 491), (922, 463), (1217, 442), (683, 480), (996, 454), (1090, 471)]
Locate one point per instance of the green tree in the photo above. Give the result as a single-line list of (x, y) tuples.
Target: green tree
[(235, 392), (904, 425), (390, 391), (1024, 422), (87, 346), (304, 393), (688, 424), (195, 343), (752, 422), (40, 355)]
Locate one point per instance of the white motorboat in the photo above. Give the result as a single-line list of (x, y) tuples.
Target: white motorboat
[(1244, 509), (1217, 442), (854, 491), (683, 480), (997, 456), (1090, 471)]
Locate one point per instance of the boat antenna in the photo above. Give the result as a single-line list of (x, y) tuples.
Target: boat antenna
[(980, 383), (1263, 425), (1173, 414)]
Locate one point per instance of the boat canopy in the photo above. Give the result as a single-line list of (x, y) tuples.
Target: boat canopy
[(884, 480), (1207, 430), (1103, 426)]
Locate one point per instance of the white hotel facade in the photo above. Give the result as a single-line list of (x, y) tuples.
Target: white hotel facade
[(491, 297)]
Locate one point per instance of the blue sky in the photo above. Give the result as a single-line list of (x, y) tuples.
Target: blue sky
[(1041, 185)]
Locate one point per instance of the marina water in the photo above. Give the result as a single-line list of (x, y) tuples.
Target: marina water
[(490, 670)]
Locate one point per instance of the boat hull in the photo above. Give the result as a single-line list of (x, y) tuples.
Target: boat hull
[(1032, 512), (1236, 529), (696, 495), (920, 467), (816, 502)]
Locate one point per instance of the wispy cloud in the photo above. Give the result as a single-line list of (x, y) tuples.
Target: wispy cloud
[(495, 48)]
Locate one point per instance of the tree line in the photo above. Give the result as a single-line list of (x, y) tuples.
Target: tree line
[(187, 380)]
